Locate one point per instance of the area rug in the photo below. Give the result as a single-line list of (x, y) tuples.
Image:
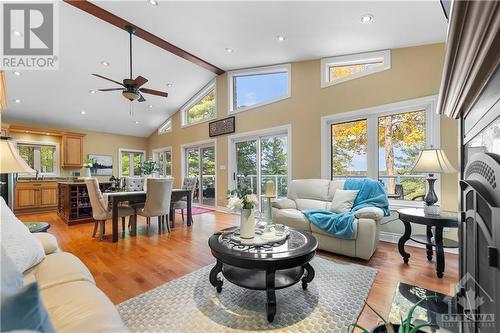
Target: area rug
[(333, 300), (196, 210)]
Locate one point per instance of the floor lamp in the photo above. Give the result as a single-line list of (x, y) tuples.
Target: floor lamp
[(11, 163)]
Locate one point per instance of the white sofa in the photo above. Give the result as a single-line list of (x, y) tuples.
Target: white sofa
[(67, 289), (310, 194)]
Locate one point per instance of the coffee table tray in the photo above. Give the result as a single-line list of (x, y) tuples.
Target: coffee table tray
[(281, 235)]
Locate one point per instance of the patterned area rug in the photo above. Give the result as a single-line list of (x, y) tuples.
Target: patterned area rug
[(333, 300)]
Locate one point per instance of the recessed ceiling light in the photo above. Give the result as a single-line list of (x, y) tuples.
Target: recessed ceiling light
[(136, 122), (17, 33), (281, 38), (228, 49), (170, 85), (153, 2), (92, 91), (17, 100), (150, 106), (83, 112), (16, 73), (105, 63), (367, 18)]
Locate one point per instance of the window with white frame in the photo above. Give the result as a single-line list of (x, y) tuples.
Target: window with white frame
[(393, 136), (201, 107), (251, 88), (163, 158), (131, 161), (344, 68), (42, 157), (165, 127)]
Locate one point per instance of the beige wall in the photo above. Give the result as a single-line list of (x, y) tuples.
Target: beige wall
[(415, 72), (93, 143)]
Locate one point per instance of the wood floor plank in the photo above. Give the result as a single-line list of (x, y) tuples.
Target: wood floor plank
[(135, 265)]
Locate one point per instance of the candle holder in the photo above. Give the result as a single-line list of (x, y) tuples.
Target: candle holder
[(269, 232)]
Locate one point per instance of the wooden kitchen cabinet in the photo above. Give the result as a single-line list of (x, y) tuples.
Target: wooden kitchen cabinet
[(35, 196), (72, 150)]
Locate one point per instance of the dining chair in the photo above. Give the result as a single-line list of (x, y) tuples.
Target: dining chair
[(158, 196), (189, 183), (101, 210)]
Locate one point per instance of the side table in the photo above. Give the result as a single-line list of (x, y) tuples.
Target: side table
[(430, 239), (37, 226)]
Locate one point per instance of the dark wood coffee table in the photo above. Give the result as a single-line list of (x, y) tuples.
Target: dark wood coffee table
[(268, 267)]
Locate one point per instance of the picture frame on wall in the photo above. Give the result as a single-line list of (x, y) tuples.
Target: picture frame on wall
[(103, 165), (221, 127)]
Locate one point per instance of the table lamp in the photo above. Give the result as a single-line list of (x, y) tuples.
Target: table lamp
[(432, 161), (11, 163)]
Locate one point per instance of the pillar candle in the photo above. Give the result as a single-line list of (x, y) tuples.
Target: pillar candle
[(269, 188)]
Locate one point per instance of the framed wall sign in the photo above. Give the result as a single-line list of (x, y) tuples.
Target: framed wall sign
[(221, 127)]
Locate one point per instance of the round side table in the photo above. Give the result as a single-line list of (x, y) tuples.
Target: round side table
[(37, 226), (430, 239)]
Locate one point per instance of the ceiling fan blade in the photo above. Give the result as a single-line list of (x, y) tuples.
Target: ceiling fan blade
[(105, 78), (111, 89), (141, 99), (154, 92), (140, 81)]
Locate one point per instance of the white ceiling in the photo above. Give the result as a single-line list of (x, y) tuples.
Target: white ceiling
[(312, 30)]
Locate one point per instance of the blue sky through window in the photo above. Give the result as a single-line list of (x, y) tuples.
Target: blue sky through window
[(255, 89)]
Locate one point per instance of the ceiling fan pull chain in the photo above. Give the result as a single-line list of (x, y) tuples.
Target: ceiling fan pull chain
[(130, 34), (131, 109)]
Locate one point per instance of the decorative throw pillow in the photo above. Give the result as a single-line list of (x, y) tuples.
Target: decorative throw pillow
[(24, 311), (11, 278), (19, 244), (343, 200)]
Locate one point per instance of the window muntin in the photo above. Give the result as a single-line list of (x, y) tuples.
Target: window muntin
[(165, 127), (130, 163), (202, 107), (163, 158), (349, 142), (344, 68), (41, 157), (251, 88), (401, 136)]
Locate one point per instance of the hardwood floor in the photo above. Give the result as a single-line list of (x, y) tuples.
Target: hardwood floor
[(137, 264)]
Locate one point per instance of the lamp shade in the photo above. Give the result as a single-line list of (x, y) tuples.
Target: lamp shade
[(10, 160), (433, 161)]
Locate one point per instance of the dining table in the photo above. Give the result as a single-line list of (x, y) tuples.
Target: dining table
[(134, 197)]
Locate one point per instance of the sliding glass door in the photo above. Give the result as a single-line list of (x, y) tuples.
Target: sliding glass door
[(259, 159), (200, 164)]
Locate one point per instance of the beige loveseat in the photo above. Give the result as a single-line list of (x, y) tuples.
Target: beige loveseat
[(311, 194)]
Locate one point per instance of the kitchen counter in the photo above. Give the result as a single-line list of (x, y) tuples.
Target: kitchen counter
[(45, 179), (80, 182)]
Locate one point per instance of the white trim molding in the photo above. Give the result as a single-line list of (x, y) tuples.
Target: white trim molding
[(154, 156), (212, 85), (283, 68), (354, 59), (166, 127), (127, 150)]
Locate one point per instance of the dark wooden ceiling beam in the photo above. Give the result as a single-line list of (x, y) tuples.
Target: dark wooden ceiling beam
[(117, 21)]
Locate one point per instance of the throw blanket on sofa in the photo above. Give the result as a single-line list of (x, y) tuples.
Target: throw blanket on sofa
[(371, 194)]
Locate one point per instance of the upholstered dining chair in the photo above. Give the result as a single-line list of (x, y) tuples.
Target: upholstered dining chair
[(158, 196), (101, 210), (189, 183)]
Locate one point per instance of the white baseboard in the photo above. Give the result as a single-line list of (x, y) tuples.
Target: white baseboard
[(226, 210), (391, 237)]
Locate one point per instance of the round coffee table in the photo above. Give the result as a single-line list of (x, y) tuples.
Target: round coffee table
[(267, 267)]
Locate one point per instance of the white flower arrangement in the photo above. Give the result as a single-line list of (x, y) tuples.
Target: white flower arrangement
[(234, 203)]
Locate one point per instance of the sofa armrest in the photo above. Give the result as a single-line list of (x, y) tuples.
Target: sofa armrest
[(284, 203), (373, 213), (49, 242)]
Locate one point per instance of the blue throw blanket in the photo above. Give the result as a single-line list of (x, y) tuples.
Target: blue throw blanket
[(371, 194)]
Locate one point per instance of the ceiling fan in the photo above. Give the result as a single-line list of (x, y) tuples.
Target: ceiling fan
[(131, 88)]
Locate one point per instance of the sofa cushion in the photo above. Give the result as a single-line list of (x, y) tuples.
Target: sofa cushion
[(317, 230), (315, 189), (309, 204), (334, 186), (59, 268), (11, 278), (81, 307), (343, 200), (19, 244), (291, 218), (48, 241)]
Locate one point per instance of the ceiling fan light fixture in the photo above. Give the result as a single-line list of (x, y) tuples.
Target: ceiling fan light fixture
[(130, 95)]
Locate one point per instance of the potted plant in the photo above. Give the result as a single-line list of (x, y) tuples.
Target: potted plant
[(242, 199), (148, 168), (404, 327), (89, 163)]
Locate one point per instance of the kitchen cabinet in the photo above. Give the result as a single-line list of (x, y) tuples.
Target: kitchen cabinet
[(35, 196), (72, 150)]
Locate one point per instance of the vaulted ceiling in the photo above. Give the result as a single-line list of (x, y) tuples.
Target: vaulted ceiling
[(311, 29)]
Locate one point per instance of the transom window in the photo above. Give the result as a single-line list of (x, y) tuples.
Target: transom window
[(163, 158), (344, 68), (251, 88), (40, 157), (391, 136), (165, 127), (201, 107), (130, 162)]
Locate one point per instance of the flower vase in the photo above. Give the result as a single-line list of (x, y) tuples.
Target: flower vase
[(87, 173), (247, 226)]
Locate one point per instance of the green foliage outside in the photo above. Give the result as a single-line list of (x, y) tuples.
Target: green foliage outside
[(47, 157), (204, 109)]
